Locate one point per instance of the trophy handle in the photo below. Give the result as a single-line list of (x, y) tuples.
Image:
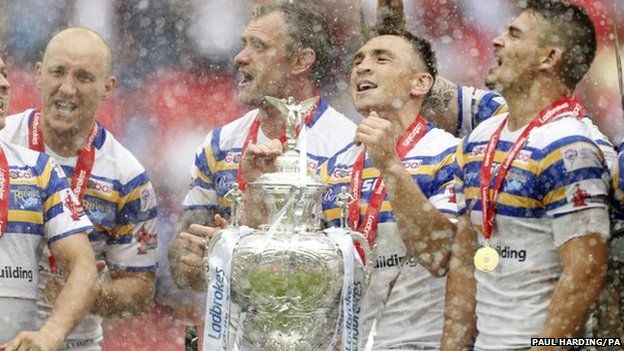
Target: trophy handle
[(358, 238)]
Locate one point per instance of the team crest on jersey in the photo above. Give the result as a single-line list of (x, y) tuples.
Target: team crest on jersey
[(579, 157), (148, 241)]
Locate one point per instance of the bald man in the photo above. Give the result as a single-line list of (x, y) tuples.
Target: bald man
[(74, 77), (36, 214)]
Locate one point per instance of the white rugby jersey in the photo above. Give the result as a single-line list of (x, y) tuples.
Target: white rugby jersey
[(216, 162), (119, 200), (41, 211), (475, 106), (559, 174), (414, 312)]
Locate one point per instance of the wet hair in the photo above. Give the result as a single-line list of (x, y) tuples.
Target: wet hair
[(573, 31), (304, 29), (421, 46)]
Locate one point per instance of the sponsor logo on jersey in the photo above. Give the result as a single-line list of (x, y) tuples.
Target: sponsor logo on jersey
[(411, 164), (18, 272), (394, 260), (100, 186), (232, 158), (341, 172), (506, 252), (21, 173)]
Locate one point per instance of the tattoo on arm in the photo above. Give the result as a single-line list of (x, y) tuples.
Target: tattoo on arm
[(442, 94)]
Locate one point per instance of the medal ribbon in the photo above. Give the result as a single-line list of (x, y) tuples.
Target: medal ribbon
[(547, 115), (252, 136), (368, 227), (84, 164), (5, 192), (86, 158)]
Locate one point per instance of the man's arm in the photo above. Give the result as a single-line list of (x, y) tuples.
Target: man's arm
[(584, 261), (460, 321), (128, 294), (440, 107), (75, 257), (426, 232)]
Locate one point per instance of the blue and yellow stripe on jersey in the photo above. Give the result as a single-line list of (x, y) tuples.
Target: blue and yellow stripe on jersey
[(215, 167), (555, 168), (37, 194), (431, 163)]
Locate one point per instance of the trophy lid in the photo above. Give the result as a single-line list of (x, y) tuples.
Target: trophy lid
[(289, 172)]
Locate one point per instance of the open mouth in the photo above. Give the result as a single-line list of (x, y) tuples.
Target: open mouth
[(3, 106), (64, 106), (365, 85), (244, 79)]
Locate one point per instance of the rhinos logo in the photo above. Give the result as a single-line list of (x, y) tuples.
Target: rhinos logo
[(27, 198)]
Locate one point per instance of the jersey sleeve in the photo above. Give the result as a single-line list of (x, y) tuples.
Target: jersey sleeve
[(133, 243), (458, 177), (202, 193), (62, 213), (475, 106), (442, 193), (573, 176)]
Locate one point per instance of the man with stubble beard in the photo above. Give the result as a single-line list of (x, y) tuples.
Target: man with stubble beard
[(74, 77), (285, 52), (40, 210), (535, 190)]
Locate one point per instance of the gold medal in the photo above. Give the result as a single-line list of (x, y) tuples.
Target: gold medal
[(486, 259)]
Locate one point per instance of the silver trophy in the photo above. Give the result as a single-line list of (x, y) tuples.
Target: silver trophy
[(287, 276)]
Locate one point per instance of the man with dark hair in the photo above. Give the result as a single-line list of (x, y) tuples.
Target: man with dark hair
[(37, 208), (74, 77), (400, 172), (535, 220), (285, 51)]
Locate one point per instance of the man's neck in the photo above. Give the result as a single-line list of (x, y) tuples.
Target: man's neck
[(525, 105), (65, 144), (403, 118), (272, 122)]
